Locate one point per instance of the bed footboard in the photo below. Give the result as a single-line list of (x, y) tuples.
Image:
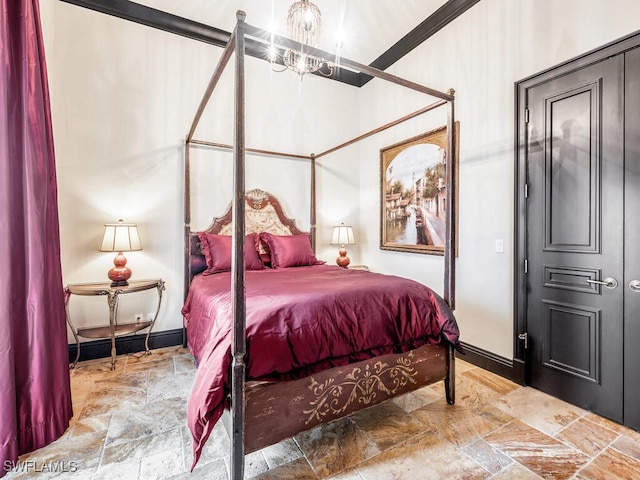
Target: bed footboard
[(279, 410)]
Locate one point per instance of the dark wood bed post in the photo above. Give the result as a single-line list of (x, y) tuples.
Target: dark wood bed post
[(451, 243), (239, 344), (312, 214), (187, 230), (450, 246)]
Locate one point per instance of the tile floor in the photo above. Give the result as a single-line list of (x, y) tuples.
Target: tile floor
[(130, 424)]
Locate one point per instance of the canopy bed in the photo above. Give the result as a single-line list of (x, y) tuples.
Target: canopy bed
[(285, 349)]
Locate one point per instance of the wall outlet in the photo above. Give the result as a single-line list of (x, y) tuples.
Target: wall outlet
[(137, 317), (150, 316)]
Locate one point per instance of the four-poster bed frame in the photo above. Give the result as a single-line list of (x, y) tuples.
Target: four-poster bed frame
[(252, 402)]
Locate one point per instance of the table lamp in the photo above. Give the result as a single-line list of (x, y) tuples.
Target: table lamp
[(342, 235), (120, 237)]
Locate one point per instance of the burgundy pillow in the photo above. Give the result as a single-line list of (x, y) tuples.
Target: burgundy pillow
[(198, 264), (289, 250), (217, 252)]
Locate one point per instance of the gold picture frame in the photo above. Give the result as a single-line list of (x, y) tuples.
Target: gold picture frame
[(413, 193)]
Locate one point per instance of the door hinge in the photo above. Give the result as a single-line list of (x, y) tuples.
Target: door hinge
[(526, 190), (526, 266), (525, 337), (526, 115)]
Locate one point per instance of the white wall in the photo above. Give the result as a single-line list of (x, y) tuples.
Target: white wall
[(123, 99), (124, 96), (481, 54)]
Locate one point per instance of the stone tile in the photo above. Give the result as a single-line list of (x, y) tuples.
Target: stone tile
[(498, 384), (254, 465), (472, 394), (424, 457), (429, 394), (409, 402), (610, 465), (99, 369), (111, 393), (143, 447), (462, 366), (298, 469), (487, 456), (335, 447), (628, 446), (72, 423), (387, 424), (540, 453), (131, 421), (494, 415), (348, 475), (97, 423), (216, 470), (539, 410), (184, 363), (81, 388), (82, 454), (281, 453), (587, 437), (516, 472), (163, 386), (156, 354), (162, 464), (616, 427), (216, 448), (123, 470), (157, 366), (456, 424)]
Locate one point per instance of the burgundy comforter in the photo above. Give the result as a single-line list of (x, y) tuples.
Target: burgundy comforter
[(300, 321)]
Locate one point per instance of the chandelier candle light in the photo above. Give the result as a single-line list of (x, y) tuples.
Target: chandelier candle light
[(120, 237), (343, 235), (304, 23)]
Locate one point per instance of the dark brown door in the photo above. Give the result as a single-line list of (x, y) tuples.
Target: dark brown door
[(575, 236), (632, 239)]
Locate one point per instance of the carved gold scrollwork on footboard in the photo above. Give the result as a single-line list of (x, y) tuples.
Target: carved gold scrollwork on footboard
[(359, 386)]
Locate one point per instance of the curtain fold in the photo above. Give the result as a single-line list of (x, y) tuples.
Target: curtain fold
[(35, 395)]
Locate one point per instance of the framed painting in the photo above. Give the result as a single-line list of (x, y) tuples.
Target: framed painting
[(413, 192)]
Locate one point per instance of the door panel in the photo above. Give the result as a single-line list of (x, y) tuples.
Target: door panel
[(580, 357), (575, 236), (571, 171), (632, 236)]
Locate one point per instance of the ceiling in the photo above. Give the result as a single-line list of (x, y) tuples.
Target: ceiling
[(376, 36), (368, 31)]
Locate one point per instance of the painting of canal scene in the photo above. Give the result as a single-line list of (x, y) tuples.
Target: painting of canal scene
[(413, 196)]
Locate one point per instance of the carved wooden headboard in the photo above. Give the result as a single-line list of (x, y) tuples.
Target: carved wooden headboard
[(263, 213)]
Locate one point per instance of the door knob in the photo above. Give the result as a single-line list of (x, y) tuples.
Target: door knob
[(634, 285), (608, 282)]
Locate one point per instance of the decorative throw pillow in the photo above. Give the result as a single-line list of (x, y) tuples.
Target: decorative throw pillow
[(217, 252), (198, 264), (289, 250)]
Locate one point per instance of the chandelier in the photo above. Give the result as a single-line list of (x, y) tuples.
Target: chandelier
[(304, 24)]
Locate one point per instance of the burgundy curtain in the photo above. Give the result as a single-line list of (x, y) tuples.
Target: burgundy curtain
[(35, 396)]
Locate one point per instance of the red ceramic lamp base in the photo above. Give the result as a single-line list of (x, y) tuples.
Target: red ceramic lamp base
[(343, 260), (120, 273)]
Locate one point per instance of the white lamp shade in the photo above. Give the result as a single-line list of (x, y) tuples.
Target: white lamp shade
[(343, 235), (120, 237)]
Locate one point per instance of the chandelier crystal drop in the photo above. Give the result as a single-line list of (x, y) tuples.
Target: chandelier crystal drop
[(304, 23)]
